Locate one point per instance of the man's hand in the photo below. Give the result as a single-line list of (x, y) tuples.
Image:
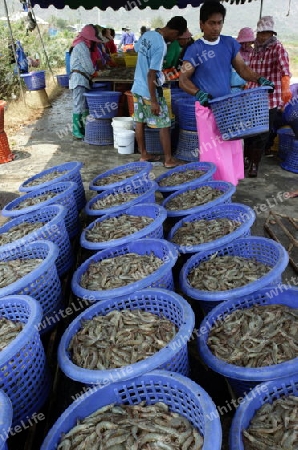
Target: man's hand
[(262, 81), (155, 108), (202, 97)]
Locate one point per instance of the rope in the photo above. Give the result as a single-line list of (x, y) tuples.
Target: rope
[(14, 51)]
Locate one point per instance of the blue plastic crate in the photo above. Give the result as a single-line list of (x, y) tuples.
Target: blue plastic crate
[(261, 249), (291, 158), (24, 374), (72, 169), (243, 379), (285, 142), (54, 230), (187, 114), (188, 146), (242, 114), (173, 357), (153, 230), (103, 104), (145, 190), (64, 195), (42, 283), (262, 394), (34, 80), (208, 167), (232, 211), (141, 168), (182, 395), (63, 80), (5, 419), (98, 131), (160, 278), (228, 189)]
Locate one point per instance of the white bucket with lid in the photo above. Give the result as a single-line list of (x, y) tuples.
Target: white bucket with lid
[(126, 142), (119, 124)]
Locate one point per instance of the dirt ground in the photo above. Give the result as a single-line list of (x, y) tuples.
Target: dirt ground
[(43, 140)]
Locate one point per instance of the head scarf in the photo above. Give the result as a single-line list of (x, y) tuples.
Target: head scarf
[(259, 47), (87, 35)]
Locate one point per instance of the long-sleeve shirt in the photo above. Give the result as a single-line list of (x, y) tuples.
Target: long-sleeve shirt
[(80, 59), (127, 38), (272, 63)]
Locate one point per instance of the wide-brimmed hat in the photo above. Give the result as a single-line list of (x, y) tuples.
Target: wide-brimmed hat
[(266, 23), (88, 32), (186, 35), (245, 35)]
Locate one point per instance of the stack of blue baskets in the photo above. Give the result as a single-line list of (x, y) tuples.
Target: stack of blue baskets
[(103, 106), (285, 142), (188, 143), (34, 81)]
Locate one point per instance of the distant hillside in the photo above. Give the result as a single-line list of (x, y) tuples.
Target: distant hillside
[(238, 16)]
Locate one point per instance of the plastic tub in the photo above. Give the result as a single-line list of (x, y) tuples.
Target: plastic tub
[(126, 142), (64, 195), (145, 190), (98, 131), (260, 395), (42, 283), (142, 170), (243, 379), (54, 230), (34, 80), (119, 124), (103, 104), (63, 80), (232, 211), (173, 357), (24, 374), (160, 278), (182, 395), (228, 189), (208, 167), (153, 230), (243, 114), (264, 250)]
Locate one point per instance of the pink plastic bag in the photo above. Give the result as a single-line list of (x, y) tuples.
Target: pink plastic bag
[(226, 155)]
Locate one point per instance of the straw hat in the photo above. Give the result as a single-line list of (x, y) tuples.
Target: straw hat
[(245, 35)]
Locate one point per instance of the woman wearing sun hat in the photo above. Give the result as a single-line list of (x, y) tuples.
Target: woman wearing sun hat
[(271, 60), (245, 38)]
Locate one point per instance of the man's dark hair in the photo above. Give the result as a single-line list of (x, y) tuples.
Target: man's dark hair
[(177, 23), (211, 7), (112, 32)]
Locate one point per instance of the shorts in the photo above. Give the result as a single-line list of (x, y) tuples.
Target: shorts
[(143, 114)]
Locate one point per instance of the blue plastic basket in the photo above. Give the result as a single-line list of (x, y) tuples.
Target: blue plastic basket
[(285, 143), (100, 87), (260, 395), (187, 114), (208, 167), (242, 114), (177, 99), (64, 196), (232, 211), (72, 169), (182, 395), (141, 168), (53, 230), (228, 189), (145, 190), (173, 357), (290, 115), (291, 158), (243, 379), (5, 418), (188, 146), (98, 131), (24, 374), (42, 283), (152, 140), (34, 80), (261, 249), (103, 104), (160, 278), (63, 80), (153, 230)]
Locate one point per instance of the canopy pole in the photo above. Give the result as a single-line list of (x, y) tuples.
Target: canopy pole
[(261, 9), (14, 51), (41, 40)]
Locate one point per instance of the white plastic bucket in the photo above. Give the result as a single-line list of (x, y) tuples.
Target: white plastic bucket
[(126, 142), (119, 124)]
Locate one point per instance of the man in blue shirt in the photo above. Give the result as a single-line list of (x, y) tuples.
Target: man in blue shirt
[(149, 105)]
